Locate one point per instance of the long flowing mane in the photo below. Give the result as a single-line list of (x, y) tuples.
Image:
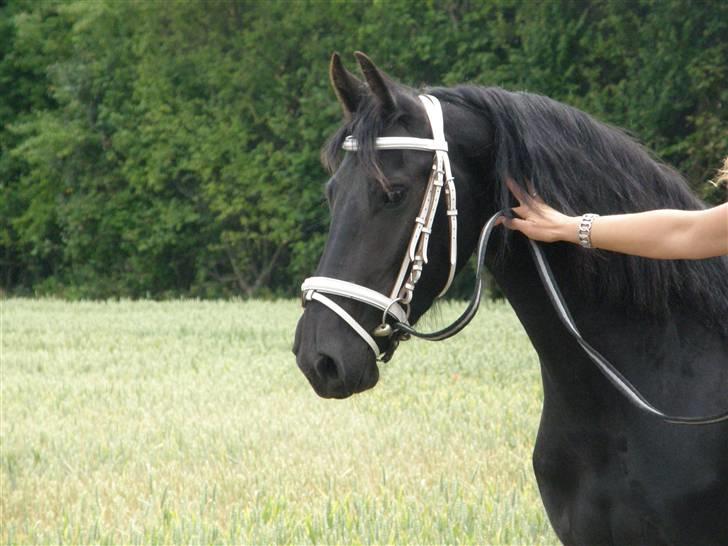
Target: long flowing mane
[(577, 164)]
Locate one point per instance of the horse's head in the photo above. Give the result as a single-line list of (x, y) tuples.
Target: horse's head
[(374, 196)]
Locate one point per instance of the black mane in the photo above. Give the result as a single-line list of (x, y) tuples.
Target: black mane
[(576, 164)]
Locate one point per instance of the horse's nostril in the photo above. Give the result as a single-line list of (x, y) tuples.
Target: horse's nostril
[(326, 368)]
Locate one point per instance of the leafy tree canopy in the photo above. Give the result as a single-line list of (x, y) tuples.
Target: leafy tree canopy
[(165, 149)]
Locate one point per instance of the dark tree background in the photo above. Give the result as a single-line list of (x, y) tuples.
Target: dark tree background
[(163, 149)]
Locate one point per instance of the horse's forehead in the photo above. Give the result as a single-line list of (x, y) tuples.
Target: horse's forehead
[(349, 177)]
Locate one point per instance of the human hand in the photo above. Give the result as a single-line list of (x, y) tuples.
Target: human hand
[(539, 221)]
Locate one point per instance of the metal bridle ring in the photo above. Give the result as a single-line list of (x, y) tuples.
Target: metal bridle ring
[(385, 329)]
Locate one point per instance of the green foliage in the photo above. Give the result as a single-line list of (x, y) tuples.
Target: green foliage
[(165, 149)]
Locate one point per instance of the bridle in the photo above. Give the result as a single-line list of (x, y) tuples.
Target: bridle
[(397, 304)]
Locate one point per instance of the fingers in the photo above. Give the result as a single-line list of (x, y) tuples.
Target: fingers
[(516, 224), (522, 210), (520, 194), (520, 213), (536, 209), (515, 190)]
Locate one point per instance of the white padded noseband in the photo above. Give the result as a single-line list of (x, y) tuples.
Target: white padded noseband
[(314, 287), (355, 292)]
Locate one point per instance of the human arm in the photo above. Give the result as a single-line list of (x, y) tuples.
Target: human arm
[(665, 234), (659, 234)]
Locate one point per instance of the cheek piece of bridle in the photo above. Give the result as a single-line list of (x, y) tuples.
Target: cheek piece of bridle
[(397, 304)]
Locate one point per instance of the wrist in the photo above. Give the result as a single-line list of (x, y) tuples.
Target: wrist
[(585, 228), (569, 229)]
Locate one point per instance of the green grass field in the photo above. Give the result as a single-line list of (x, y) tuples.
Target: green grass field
[(189, 422)]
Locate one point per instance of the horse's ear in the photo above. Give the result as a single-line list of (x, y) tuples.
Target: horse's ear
[(348, 88), (378, 82)]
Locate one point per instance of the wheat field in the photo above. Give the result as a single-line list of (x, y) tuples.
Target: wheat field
[(188, 422)]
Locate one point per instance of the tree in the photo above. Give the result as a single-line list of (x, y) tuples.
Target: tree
[(172, 149)]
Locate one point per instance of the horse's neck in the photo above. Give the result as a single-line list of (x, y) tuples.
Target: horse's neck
[(566, 370), (686, 355), (515, 273)]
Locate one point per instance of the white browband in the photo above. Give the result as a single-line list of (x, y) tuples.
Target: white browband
[(416, 254), (399, 143)]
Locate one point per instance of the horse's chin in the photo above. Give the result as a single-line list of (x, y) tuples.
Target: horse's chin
[(368, 379)]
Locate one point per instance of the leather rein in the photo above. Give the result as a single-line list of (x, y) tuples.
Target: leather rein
[(397, 304)]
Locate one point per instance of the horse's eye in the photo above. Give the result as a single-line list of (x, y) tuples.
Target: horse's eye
[(393, 197)]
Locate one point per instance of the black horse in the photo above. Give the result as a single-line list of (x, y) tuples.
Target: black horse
[(607, 473)]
